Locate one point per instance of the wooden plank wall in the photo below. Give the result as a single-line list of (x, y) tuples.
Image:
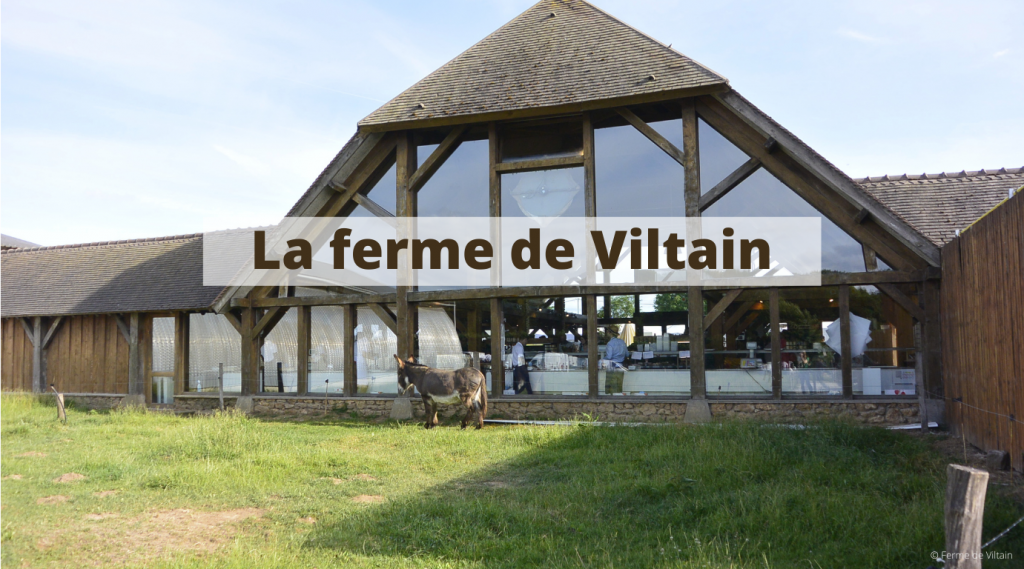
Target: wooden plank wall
[(88, 354), (983, 330), (16, 367)]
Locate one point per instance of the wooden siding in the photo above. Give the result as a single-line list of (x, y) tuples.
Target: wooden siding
[(983, 330), (16, 367), (88, 354)]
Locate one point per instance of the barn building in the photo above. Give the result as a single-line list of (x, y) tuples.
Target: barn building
[(568, 97)]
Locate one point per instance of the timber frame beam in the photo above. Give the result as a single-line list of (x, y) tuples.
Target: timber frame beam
[(653, 135)]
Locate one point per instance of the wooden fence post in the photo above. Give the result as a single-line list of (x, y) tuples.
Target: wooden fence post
[(965, 508)]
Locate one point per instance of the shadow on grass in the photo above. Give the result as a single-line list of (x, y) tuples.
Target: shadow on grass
[(734, 495)]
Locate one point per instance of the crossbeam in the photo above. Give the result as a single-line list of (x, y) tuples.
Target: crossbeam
[(541, 164), (437, 158), (720, 307), (653, 135), (731, 181)]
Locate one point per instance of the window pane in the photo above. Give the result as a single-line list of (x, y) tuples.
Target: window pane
[(163, 345), (376, 345), (213, 342), (327, 349), (738, 347), (384, 194), (279, 356), (763, 195), (546, 193), (809, 323), (461, 187), (887, 364), (718, 156), (635, 177), (542, 140)]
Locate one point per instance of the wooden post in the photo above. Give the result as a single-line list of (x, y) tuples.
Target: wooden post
[(220, 384), (349, 342), (845, 347), (694, 294), (773, 308), (405, 201), (593, 385), (919, 376), (181, 361), (136, 382), (494, 157), (589, 170), (250, 353), (36, 337), (497, 349), (280, 376), (304, 324), (965, 508)]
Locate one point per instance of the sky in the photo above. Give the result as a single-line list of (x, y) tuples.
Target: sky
[(132, 119)]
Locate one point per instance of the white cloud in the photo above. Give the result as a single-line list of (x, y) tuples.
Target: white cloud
[(1001, 53)]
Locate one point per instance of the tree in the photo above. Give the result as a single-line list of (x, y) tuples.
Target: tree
[(670, 302), (622, 307)]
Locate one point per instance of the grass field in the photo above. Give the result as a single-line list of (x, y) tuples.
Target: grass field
[(232, 491)]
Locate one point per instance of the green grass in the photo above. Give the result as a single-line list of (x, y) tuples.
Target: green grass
[(722, 496)]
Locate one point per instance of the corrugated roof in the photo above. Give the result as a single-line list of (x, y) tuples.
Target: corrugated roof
[(937, 205), (163, 273), (558, 52)]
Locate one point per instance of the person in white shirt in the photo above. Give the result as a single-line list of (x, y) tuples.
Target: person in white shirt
[(520, 375)]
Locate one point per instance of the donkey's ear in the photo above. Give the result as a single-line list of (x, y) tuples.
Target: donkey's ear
[(410, 360), (400, 362)]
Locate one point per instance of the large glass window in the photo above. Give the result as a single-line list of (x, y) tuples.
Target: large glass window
[(213, 345), (553, 335), (763, 195), (635, 178), (384, 194), (327, 349), (811, 341), (545, 193), (737, 346), (886, 364), (718, 156), (460, 187), (279, 356), (376, 345)]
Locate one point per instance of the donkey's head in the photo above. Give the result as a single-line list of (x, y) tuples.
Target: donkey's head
[(403, 374)]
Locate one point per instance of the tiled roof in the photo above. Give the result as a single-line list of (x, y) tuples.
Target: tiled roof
[(937, 205), (136, 275), (558, 52)]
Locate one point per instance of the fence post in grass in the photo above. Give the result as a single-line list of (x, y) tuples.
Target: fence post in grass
[(965, 508), (220, 384)]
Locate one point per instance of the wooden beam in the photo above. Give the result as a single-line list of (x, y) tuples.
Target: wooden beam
[(548, 110), (653, 135), (720, 307), (372, 206), (350, 386), (773, 310), (304, 330), (861, 216), (123, 327), (593, 384), (386, 316), (28, 329), (904, 301), (235, 322), (844, 340), (266, 324), (136, 379), (494, 206), (540, 164), (732, 320), (694, 294), (37, 355), (333, 300), (826, 200), (497, 349), (589, 168), (437, 158), (830, 176), (406, 206), (52, 330), (250, 360), (870, 259), (731, 181), (181, 351)]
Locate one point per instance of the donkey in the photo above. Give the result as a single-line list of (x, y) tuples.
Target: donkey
[(445, 387)]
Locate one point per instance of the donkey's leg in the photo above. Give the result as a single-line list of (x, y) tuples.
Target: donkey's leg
[(426, 412), (481, 406), (468, 403)]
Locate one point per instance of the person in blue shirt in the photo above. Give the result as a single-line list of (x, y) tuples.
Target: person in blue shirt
[(615, 352), (520, 373)]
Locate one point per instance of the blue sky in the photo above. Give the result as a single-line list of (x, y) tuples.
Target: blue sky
[(141, 118)]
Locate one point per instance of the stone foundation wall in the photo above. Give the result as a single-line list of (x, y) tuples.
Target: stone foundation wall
[(98, 402), (878, 412)]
